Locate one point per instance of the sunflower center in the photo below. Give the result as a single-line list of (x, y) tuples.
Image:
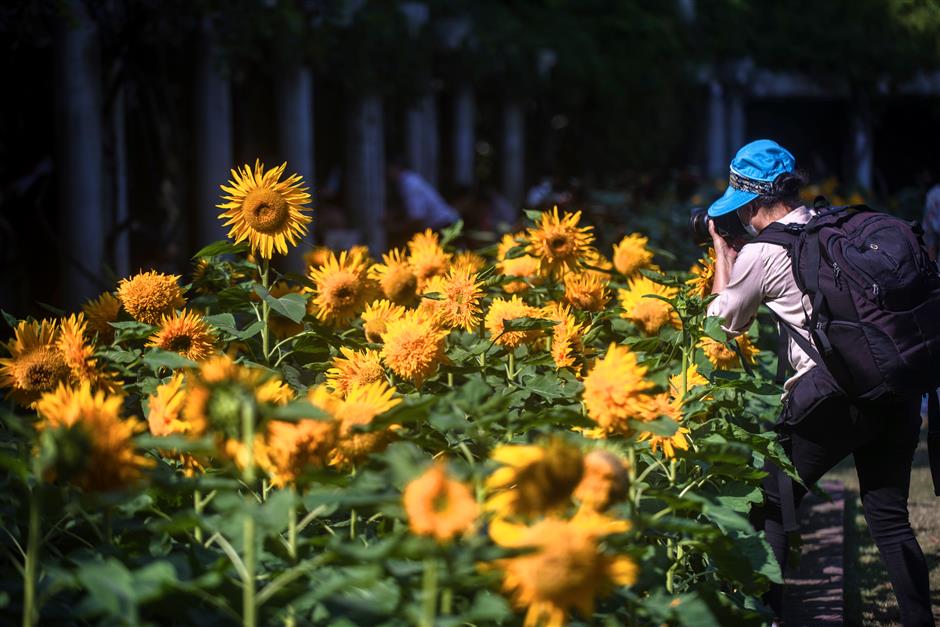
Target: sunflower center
[(179, 344), (40, 376), (440, 502), (558, 243), (265, 210)]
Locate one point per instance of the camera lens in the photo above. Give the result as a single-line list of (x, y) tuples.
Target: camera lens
[(698, 225)]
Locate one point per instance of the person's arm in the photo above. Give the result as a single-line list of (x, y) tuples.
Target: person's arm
[(739, 284), (724, 260)]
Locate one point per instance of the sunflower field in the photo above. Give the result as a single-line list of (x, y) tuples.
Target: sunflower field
[(540, 432)]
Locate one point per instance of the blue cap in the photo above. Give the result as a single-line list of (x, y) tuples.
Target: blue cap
[(753, 171)]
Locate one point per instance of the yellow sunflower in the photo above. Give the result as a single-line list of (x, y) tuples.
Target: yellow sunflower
[(533, 480), (426, 257), (396, 278), (100, 312), (615, 390), (469, 260), (521, 267), (342, 288), (147, 296), (79, 355), (287, 450), (438, 506), (567, 345), (664, 405), (165, 418), (692, 378), (568, 568), (603, 482), (108, 459), (558, 242), (649, 314), (724, 357), (354, 369), (376, 317), (586, 291), (35, 365), (460, 294), (502, 311), (185, 333), (703, 275), (356, 412), (264, 210), (631, 254), (317, 256), (413, 347)]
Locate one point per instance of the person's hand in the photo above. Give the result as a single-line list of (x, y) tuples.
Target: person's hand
[(723, 251)]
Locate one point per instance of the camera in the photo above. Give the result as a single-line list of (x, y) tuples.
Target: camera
[(728, 226)]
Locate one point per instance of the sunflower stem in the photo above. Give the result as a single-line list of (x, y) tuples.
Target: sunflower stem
[(265, 311), (511, 368), (249, 606), (292, 526), (197, 508), (30, 611), (429, 593), (352, 524)]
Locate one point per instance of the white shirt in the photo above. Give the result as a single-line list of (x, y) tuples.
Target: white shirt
[(762, 274), (423, 203)]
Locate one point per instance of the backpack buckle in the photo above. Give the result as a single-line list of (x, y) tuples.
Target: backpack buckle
[(794, 228)]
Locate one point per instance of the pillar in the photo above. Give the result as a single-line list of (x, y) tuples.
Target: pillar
[(365, 169), (717, 155), (513, 152), (464, 135), (295, 141), (862, 142), (737, 122)]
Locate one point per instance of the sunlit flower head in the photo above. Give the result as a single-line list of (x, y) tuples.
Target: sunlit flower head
[(376, 317), (148, 296), (460, 294), (317, 256), (413, 347), (603, 482), (522, 266), (615, 390), (396, 278), (558, 242), (641, 306), (723, 357), (631, 254), (100, 312), (342, 288), (664, 405), (186, 333), (265, 210), (693, 378), (567, 570), (586, 291), (567, 344), (354, 368), (502, 311), (100, 454), (426, 257), (79, 355), (703, 275), (357, 412), (533, 480), (469, 260), (287, 450), (165, 418), (438, 506), (35, 365)]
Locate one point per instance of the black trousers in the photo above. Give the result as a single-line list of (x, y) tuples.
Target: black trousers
[(883, 439)]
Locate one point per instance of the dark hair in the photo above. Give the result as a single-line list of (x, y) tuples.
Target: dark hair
[(786, 189)]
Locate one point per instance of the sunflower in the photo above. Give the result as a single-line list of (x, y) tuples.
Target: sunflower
[(502, 311), (668, 443), (692, 378), (615, 390), (703, 275), (355, 413), (413, 347), (723, 357), (558, 242), (100, 312), (671, 407), (342, 288), (317, 256), (533, 480), (521, 267), (79, 355), (287, 449), (35, 364), (631, 254), (396, 278), (649, 314), (105, 457), (567, 568), (354, 369), (567, 335), (603, 482), (586, 291), (185, 333), (426, 257), (469, 260), (147, 296), (281, 326), (165, 418), (460, 295), (437, 506), (264, 210), (376, 317)]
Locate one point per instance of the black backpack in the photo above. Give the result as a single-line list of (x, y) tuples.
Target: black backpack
[(876, 305)]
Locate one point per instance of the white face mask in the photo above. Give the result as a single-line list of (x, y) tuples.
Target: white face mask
[(748, 227)]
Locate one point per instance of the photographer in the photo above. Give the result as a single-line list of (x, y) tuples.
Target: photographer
[(819, 425)]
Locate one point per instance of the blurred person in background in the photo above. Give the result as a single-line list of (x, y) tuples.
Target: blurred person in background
[(931, 222), (423, 206)]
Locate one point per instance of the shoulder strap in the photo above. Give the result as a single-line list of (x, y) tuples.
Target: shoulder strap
[(802, 342)]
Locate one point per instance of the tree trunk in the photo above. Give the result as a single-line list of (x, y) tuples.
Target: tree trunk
[(513, 154), (464, 135), (717, 156), (365, 169), (82, 199), (213, 139), (295, 141)]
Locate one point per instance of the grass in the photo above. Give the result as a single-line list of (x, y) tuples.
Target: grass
[(869, 599)]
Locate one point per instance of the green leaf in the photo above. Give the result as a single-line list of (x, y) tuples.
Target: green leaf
[(131, 330), (662, 426), (528, 324), (10, 320), (291, 306), (713, 329), (221, 247), (452, 232), (157, 358), (298, 410)]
